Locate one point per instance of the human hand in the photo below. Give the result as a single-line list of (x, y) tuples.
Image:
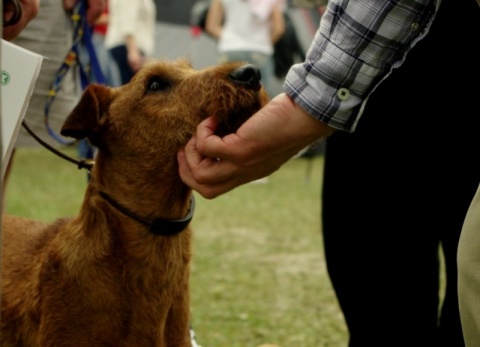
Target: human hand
[(29, 10), (213, 166), (94, 9), (135, 59)]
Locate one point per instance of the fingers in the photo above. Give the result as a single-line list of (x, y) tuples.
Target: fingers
[(184, 170), (201, 167), (208, 191), (205, 133)]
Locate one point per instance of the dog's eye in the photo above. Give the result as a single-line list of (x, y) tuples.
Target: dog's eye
[(157, 84)]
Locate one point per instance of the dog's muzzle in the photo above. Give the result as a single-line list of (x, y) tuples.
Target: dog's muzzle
[(248, 75)]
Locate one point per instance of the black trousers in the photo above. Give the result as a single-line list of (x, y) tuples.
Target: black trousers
[(398, 188), (120, 55)]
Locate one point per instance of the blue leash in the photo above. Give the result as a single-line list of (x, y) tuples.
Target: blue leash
[(81, 54)]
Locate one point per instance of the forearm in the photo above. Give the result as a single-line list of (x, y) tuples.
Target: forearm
[(278, 24), (214, 22), (214, 30), (282, 126), (134, 55), (131, 43)]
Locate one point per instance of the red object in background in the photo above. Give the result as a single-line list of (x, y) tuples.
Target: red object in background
[(101, 28), (196, 31)]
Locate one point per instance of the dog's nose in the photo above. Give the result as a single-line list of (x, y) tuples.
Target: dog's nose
[(248, 75)]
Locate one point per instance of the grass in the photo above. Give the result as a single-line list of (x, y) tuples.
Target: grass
[(258, 272)]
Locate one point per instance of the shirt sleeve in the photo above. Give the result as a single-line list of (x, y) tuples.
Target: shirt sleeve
[(356, 47)]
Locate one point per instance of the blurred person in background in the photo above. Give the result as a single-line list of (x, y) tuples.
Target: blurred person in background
[(108, 65), (247, 30), (131, 34)]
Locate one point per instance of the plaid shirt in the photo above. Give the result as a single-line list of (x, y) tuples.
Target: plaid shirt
[(355, 48)]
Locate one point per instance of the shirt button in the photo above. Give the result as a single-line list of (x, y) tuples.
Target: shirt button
[(343, 93), (414, 27)]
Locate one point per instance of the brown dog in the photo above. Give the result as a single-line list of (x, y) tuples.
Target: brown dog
[(118, 273)]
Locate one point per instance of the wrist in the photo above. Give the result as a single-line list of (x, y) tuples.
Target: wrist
[(311, 128)]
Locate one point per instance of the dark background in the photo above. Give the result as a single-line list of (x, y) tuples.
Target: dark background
[(174, 11), (178, 11)]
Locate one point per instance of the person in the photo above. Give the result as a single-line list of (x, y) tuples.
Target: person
[(409, 196), (14, 23), (107, 64), (469, 281), (382, 83), (130, 36), (108, 69), (247, 30), (50, 35)]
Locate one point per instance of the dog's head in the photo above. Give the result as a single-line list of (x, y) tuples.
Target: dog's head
[(159, 109)]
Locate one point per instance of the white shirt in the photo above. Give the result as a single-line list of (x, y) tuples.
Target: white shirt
[(136, 18), (243, 30)]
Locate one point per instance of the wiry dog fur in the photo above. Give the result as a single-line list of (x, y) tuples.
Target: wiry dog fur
[(102, 278)]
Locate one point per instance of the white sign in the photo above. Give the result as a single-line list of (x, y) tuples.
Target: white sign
[(19, 69)]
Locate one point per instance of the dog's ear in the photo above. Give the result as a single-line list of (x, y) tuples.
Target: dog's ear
[(84, 119)]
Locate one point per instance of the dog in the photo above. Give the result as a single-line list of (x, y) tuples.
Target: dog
[(117, 274)]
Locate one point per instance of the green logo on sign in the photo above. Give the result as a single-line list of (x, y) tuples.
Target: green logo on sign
[(4, 77)]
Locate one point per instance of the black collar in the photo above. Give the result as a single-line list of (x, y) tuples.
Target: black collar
[(158, 226)]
